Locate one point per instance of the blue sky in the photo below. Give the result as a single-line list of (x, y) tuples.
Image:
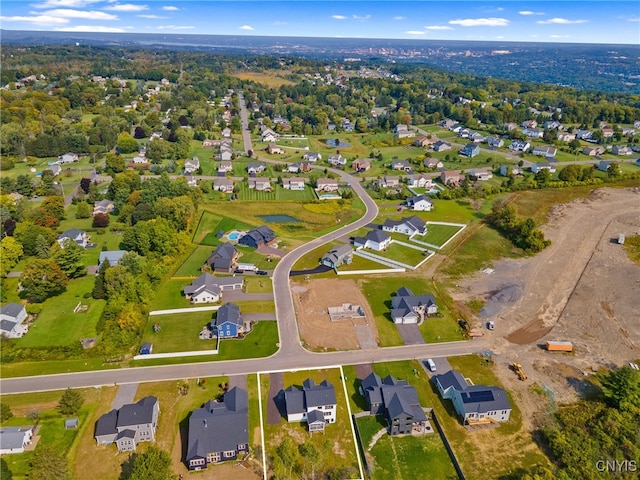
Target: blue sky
[(533, 21)]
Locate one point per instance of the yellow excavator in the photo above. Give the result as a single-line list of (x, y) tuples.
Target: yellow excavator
[(519, 371)]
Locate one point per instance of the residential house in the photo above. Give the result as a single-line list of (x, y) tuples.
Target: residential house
[(584, 134), (269, 135), (73, 235), (347, 126), (470, 150), (223, 259), (15, 197), (361, 164), (191, 166), (475, 404), (388, 181), (593, 151), (293, 183), (139, 160), (607, 132), (226, 132), (131, 424), (337, 160), (339, 255), (226, 153), (303, 166), (12, 316), (223, 184), (545, 150), (255, 168), (495, 142), (274, 149), (533, 132), (519, 146), (68, 158), (327, 185), (432, 163), (409, 308), (293, 168), (229, 323), (627, 131), (447, 123), (14, 439), (441, 146), (420, 203), (424, 141), (566, 137), (225, 167), (621, 150), (260, 184), (113, 256), (373, 240), (402, 131), (419, 181), (413, 225), (397, 401), (208, 143), (481, 174), (312, 156), (219, 431), (536, 167), (515, 170), (103, 206), (510, 126), (451, 178), (529, 124), (54, 169), (258, 237), (207, 288), (476, 137), (552, 125), (604, 165), (401, 165), (301, 404)]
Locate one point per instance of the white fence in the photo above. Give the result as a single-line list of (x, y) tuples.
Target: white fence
[(379, 270), (184, 310)]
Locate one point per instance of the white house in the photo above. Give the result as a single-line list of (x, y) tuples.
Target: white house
[(481, 174), (293, 183), (375, 240), (14, 439), (68, 158), (139, 160), (327, 185), (519, 146), (312, 156), (192, 165), (536, 167), (409, 308), (337, 160), (223, 184), (408, 226), (419, 181), (269, 135), (207, 288), (225, 167), (621, 150), (315, 404), (12, 316), (73, 235), (260, 184), (545, 150), (420, 203), (402, 131)]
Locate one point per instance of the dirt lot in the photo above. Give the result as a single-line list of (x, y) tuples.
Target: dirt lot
[(583, 289), (312, 299)]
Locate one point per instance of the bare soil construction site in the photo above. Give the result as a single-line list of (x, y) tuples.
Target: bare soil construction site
[(582, 289)]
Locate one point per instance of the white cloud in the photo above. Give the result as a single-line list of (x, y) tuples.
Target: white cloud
[(153, 17), (364, 17), (64, 3), (416, 32), (280, 23), (85, 14), (42, 20), (175, 27), (438, 27), (500, 9), (481, 22), (127, 7), (560, 21), (558, 36), (499, 37), (246, 27), (399, 18), (338, 17), (170, 8), (91, 28), (529, 12), (633, 19)]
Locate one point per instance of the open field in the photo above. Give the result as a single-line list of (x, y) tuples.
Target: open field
[(313, 297), (277, 193), (439, 234), (401, 253), (268, 78), (193, 263)]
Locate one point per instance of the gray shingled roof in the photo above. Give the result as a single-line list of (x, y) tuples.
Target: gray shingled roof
[(480, 399), (377, 236), (106, 424), (11, 309), (315, 416), (318, 395), (452, 378), (137, 413), (12, 437), (294, 400), (229, 312)]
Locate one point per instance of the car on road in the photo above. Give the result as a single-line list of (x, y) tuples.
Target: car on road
[(262, 272)]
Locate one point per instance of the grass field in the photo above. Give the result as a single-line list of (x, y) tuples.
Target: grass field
[(277, 193), (268, 78), (192, 265), (438, 234), (400, 253), (169, 295), (210, 224)]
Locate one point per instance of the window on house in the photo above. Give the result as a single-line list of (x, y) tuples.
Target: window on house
[(242, 446), (229, 454)]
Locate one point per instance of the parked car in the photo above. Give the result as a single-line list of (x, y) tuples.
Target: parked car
[(431, 365), (491, 325), (261, 272)]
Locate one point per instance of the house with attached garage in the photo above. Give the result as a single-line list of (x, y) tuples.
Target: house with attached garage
[(409, 308), (327, 185), (207, 288), (226, 153), (374, 240), (337, 160), (131, 424), (536, 167), (274, 149), (15, 439), (593, 151), (519, 146), (113, 256), (361, 164), (470, 150), (225, 167), (339, 255), (505, 170), (315, 404), (441, 146), (223, 259), (419, 181), (495, 142), (402, 131), (258, 237), (103, 206), (312, 157), (401, 165), (397, 401), (223, 184), (68, 158), (533, 132), (432, 163), (229, 323), (54, 169), (621, 150), (474, 404), (219, 431), (12, 317), (424, 141), (545, 150), (604, 165), (565, 136), (293, 183), (481, 174), (190, 166), (73, 235), (269, 135), (255, 168), (226, 132), (451, 178), (408, 226), (388, 181), (420, 203), (260, 184)]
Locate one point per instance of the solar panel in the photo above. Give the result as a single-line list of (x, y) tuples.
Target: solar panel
[(477, 397)]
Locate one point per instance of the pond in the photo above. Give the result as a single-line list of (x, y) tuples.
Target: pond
[(336, 143), (278, 218)]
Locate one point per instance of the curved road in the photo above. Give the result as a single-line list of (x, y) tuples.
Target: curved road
[(290, 356)]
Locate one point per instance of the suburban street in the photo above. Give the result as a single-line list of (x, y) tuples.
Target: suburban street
[(290, 356)]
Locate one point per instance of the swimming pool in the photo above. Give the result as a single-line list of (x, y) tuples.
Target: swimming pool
[(233, 235)]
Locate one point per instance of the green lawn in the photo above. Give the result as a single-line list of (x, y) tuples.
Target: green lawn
[(400, 253), (58, 325), (225, 224), (178, 332), (169, 295), (277, 193), (191, 266), (312, 259), (250, 255), (360, 263), (258, 284), (438, 234)]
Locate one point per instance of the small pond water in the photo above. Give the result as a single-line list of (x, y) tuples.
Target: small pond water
[(336, 143), (278, 218)]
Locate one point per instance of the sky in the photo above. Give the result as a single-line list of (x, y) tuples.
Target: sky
[(572, 21)]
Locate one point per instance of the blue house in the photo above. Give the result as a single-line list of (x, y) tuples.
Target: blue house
[(470, 150), (229, 323)]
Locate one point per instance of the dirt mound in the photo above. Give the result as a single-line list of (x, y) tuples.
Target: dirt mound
[(504, 297)]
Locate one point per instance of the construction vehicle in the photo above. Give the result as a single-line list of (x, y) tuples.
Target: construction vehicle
[(519, 371)]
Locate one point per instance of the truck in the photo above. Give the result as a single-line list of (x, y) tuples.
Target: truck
[(559, 346)]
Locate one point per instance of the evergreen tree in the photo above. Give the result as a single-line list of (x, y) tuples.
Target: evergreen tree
[(70, 402), (69, 259), (99, 291), (48, 464)]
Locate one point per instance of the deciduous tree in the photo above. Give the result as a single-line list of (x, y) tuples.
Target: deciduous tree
[(69, 259), (153, 464), (41, 279)]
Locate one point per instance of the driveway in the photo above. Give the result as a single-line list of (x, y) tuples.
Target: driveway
[(255, 317), (275, 403), (410, 334), (239, 381), (126, 394), (238, 296), (271, 251)]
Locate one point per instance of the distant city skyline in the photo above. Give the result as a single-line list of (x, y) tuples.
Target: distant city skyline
[(612, 22)]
